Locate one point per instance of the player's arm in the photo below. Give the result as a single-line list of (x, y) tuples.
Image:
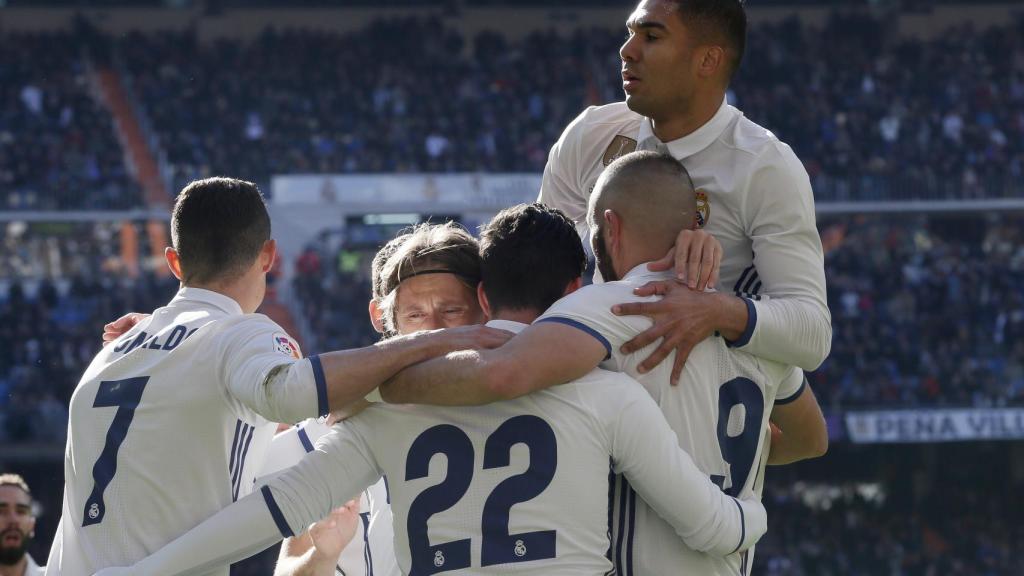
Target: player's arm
[(284, 390), (315, 552), (799, 431), (646, 450), (340, 467), (287, 448), (542, 355)]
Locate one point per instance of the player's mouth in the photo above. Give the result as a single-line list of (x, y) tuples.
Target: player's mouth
[(11, 538), (630, 81)]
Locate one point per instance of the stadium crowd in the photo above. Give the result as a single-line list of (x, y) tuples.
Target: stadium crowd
[(58, 147), (872, 115)]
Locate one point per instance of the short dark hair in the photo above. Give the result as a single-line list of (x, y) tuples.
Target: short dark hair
[(16, 481), (723, 21), (218, 227), (529, 254)]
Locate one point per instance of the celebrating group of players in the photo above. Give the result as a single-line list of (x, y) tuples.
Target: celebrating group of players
[(619, 427)]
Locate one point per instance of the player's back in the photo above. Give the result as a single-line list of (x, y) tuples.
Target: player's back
[(719, 412), (156, 443), (520, 486)]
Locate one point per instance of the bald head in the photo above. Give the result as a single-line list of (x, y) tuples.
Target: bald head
[(653, 196)]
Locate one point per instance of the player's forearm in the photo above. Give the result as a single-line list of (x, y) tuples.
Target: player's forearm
[(234, 533), (794, 331), (456, 379), (352, 374), (799, 431), (731, 315)]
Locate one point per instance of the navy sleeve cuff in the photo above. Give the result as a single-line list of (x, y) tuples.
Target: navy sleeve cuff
[(794, 396), (275, 512), (304, 438), (581, 326), (744, 338), (743, 525), (321, 385)]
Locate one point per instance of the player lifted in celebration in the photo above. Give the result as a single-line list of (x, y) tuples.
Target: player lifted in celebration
[(753, 194), (171, 422), (513, 487), (721, 409)]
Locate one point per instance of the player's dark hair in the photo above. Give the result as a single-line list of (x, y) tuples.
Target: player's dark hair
[(218, 227), (529, 254), (723, 21)]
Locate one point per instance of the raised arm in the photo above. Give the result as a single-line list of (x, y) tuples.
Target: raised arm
[(282, 390), (646, 450), (542, 355)]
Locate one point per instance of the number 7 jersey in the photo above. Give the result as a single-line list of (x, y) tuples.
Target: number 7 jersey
[(163, 432), (719, 412)]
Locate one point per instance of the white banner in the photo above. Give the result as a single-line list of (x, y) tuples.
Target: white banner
[(386, 192), (899, 426)]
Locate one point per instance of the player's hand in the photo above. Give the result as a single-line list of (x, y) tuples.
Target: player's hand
[(696, 258), (117, 328), (473, 338), (682, 318), (332, 534)]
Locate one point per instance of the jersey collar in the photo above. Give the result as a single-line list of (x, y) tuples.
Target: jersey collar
[(698, 140), (225, 303), (511, 326), (641, 271)]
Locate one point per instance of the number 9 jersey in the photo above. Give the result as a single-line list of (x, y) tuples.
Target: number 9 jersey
[(169, 424), (719, 412)]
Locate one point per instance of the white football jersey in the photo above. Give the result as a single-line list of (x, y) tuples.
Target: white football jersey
[(371, 551), (521, 486), (163, 430), (719, 412), (753, 195)]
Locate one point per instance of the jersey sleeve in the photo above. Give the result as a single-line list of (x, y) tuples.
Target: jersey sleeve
[(645, 450), (589, 310), (791, 385), (287, 448), (265, 375), (794, 325), (561, 185), (339, 468)]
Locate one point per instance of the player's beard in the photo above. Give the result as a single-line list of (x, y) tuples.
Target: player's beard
[(9, 556), (604, 260)]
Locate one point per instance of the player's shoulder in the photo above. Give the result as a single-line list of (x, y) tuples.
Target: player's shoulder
[(760, 143)]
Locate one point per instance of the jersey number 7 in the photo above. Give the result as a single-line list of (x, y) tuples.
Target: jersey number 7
[(125, 395), (498, 546)]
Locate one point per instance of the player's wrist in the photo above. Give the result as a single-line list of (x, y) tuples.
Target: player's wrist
[(729, 315)]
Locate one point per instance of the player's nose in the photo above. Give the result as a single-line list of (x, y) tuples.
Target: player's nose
[(628, 52)]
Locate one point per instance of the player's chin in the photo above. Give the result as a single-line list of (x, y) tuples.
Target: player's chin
[(637, 103)]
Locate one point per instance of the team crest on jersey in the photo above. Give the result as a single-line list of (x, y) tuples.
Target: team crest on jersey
[(703, 208), (286, 346), (619, 147)]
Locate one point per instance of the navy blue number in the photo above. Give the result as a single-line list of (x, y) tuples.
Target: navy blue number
[(125, 395), (457, 447), (739, 451), (500, 547)]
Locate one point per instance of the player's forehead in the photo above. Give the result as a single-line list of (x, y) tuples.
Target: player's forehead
[(14, 497), (434, 289), (654, 13)]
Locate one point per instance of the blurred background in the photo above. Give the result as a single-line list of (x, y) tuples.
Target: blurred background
[(358, 118)]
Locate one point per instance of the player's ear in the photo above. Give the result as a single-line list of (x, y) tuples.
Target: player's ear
[(481, 296), (268, 254), (711, 59), (173, 262), (614, 226), (376, 316), (573, 286)]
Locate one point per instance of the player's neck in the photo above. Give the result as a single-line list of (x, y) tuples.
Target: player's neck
[(17, 569), (680, 123), (521, 316), (238, 291)]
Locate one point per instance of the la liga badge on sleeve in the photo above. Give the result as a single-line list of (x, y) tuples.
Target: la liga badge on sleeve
[(285, 345)]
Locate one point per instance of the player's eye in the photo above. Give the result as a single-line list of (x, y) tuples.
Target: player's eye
[(453, 311), (651, 37)]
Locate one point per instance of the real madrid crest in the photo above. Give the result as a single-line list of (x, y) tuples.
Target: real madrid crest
[(619, 147), (703, 208)]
